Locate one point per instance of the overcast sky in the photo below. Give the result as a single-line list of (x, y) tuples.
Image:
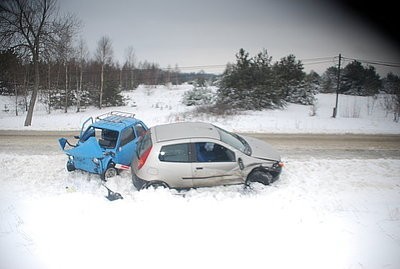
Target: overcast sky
[(211, 32)]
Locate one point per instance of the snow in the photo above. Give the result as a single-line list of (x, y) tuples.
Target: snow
[(160, 104), (322, 213)]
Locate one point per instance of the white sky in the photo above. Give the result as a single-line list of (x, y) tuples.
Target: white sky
[(211, 32)]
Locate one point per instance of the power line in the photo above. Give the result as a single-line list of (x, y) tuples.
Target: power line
[(319, 62), (307, 61), (319, 59), (375, 62), (195, 67)]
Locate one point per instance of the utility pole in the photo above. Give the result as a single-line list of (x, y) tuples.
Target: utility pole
[(335, 109)]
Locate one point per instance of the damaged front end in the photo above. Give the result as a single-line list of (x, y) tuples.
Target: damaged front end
[(87, 156)]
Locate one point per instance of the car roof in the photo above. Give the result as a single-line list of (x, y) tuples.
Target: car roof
[(114, 123), (184, 130)]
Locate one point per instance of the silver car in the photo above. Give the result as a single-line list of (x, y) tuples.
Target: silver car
[(194, 154)]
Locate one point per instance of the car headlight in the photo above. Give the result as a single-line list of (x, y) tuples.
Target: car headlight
[(96, 161), (278, 165)]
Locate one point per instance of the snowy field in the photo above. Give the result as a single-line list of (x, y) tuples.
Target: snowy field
[(339, 213), (321, 214), (163, 105)]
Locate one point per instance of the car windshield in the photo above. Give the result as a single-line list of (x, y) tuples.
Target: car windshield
[(234, 140)]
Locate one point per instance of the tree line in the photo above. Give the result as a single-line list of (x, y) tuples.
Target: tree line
[(258, 83), (41, 57), (80, 81)]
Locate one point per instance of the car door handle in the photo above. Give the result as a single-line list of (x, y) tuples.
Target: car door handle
[(199, 168)]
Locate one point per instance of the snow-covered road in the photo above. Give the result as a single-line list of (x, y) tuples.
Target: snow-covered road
[(332, 208), (299, 145)]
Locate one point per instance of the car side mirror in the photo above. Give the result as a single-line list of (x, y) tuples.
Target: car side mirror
[(240, 163)]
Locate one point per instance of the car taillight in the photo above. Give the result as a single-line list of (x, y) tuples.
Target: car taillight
[(143, 158)]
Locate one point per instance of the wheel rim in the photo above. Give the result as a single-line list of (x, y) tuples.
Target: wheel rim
[(156, 186), (260, 177), (110, 172)]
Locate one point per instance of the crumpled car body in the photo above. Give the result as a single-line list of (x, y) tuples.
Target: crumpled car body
[(106, 144)]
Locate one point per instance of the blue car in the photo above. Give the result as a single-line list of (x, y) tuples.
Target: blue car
[(105, 145)]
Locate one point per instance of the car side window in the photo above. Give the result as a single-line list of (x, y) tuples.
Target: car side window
[(212, 152), (108, 138), (175, 153), (87, 134), (127, 136), (140, 130)]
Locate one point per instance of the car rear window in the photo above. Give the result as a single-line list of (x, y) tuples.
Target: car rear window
[(144, 144), (174, 153)]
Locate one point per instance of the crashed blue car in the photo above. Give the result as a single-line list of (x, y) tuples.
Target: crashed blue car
[(106, 144)]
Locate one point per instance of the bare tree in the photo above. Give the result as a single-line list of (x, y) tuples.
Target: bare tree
[(130, 64), (83, 55), (65, 52), (104, 54), (29, 26)]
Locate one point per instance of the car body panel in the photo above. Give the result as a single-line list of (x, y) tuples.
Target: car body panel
[(208, 162), (209, 174), (99, 143), (175, 173), (261, 149)]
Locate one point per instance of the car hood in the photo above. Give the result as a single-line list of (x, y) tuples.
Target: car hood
[(261, 149), (88, 149)]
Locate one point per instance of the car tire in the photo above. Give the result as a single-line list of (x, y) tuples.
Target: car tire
[(110, 172), (70, 167), (156, 185), (263, 177)]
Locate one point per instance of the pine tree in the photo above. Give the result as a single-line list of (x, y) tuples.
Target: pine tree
[(329, 80), (291, 81), (249, 84), (358, 80), (112, 94), (237, 82), (391, 84)]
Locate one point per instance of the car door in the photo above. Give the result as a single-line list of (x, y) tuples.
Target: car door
[(175, 165), (214, 164), (128, 143), (127, 146)]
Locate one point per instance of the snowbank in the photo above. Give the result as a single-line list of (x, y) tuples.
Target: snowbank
[(158, 105), (321, 214)]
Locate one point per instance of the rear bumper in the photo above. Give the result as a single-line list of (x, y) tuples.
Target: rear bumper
[(138, 182)]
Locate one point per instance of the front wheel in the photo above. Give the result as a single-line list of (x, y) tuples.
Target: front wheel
[(70, 167), (109, 173), (156, 185), (263, 177)]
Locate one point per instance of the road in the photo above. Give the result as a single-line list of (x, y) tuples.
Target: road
[(291, 146)]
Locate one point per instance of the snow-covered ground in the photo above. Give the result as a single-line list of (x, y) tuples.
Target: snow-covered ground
[(163, 105), (323, 212)]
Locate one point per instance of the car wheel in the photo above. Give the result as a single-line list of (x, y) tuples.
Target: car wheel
[(70, 167), (109, 173), (260, 176), (156, 185)]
